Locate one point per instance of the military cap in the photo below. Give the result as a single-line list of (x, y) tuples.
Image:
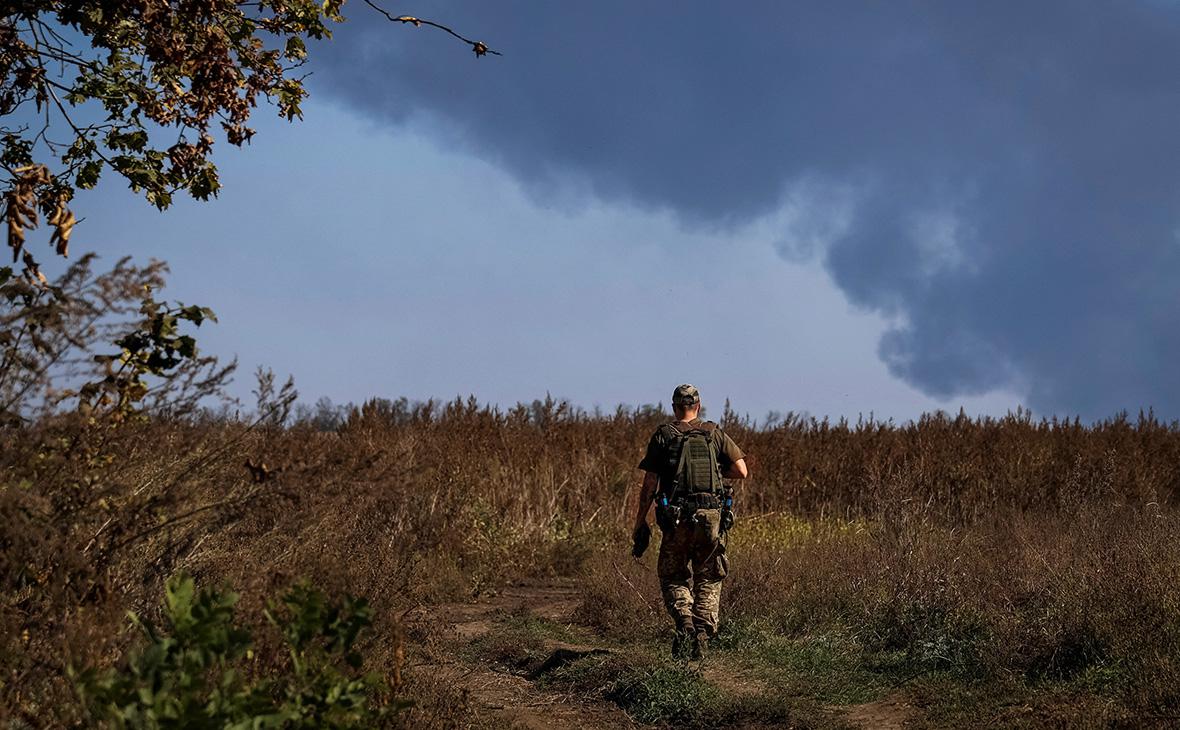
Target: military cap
[(686, 395)]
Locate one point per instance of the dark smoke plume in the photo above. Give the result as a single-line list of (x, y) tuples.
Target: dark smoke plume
[(1012, 168)]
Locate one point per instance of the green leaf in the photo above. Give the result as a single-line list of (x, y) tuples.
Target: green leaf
[(186, 346), (296, 48), (193, 314), (164, 328), (178, 597), (88, 174), (159, 198), (196, 314)]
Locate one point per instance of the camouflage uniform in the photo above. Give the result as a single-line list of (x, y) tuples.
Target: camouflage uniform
[(692, 558), (691, 565)]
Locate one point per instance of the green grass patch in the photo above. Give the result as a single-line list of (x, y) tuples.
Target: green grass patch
[(951, 701), (669, 693), (829, 666), (532, 626), (654, 690)]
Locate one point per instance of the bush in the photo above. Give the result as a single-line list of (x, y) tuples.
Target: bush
[(194, 673)]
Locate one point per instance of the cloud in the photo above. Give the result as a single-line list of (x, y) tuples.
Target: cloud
[(1000, 179)]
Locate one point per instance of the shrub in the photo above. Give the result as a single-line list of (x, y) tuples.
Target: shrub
[(191, 674)]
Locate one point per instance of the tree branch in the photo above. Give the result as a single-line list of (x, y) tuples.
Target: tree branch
[(479, 47)]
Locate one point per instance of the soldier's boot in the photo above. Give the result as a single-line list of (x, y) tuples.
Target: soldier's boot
[(700, 645), (681, 644)]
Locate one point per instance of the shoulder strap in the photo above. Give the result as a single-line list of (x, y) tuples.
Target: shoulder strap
[(670, 431), (707, 427), (674, 449), (680, 464)]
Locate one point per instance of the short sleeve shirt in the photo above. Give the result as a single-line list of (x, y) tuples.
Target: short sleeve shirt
[(658, 460)]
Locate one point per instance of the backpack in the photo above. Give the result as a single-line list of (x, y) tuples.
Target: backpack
[(692, 457)]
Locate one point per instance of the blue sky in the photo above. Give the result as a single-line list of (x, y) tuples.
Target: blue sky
[(835, 208)]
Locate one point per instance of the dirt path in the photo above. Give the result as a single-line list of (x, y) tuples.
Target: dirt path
[(889, 713), (514, 699)]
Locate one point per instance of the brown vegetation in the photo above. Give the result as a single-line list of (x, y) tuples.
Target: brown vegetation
[(1004, 550)]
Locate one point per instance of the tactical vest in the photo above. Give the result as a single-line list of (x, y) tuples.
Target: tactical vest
[(692, 459)]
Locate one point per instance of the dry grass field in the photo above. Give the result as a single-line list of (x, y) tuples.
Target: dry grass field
[(952, 570)]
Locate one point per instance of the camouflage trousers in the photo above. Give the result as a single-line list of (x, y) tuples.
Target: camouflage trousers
[(691, 565)]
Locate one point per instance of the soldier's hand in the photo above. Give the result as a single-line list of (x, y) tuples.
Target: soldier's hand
[(641, 538)]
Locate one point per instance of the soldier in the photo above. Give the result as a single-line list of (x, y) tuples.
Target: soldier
[(685, 463)]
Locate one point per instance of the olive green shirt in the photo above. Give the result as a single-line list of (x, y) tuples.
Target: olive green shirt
[(658, 458)]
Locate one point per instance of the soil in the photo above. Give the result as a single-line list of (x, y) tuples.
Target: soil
[(514, 699), (889, 713)]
